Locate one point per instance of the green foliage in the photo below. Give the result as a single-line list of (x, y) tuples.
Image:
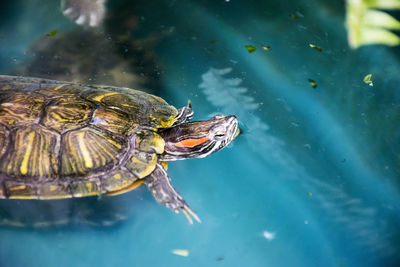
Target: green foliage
[(368, 25)]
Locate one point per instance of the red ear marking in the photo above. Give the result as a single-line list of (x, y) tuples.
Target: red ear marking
[(191, 142)]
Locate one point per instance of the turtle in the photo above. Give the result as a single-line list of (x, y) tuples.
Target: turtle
[(68, 140)]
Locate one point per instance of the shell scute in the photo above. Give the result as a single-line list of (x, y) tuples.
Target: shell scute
[(60, 90), (33, 153), (54, 190), (85, 188), (142, 164), (144, 109), (117, 180), (20, 108), (20, 190), (67, 113), (3, 140), (88, 149), (112, 120)]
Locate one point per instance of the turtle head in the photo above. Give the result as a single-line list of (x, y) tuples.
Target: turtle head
[(198, 139)]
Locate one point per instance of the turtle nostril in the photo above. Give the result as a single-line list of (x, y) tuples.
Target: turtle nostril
[(219, 116)]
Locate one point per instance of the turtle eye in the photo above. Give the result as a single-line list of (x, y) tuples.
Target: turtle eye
[(219, 135)]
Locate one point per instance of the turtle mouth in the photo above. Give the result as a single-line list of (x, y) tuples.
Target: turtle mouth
[(232, 131)]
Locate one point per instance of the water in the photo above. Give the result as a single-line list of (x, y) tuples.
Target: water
[(313, 179)]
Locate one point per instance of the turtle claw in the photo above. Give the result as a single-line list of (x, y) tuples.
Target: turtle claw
[(187, 212), (160, 186), (185, 114)]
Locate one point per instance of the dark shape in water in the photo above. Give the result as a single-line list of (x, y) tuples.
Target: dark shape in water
[(108, 56)]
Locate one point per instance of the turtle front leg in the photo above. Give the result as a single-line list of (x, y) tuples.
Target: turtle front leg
[(160, 186)]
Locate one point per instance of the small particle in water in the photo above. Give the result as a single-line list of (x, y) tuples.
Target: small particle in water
[(293, 16), (368, 79), (250, 48), (309, 194), (266, 47), (344, 160), (319, 49), (313, 83), (52, 33), (306, 222), (219, 258), (212, 41), (180, 252), (269, 235)]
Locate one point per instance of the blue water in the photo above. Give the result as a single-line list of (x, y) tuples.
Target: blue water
[(312, 181)]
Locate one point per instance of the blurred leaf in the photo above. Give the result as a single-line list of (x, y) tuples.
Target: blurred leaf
[(250, 48), (378, 36), (382, 4), (366, 25), (376, 18)]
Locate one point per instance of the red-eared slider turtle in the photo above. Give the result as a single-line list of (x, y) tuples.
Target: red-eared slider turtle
[(63, 140)]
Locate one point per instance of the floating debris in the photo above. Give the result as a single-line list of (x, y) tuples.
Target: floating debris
[(269, 235), (266, 47), (296, 15), (180, 252), (368, 79), (313, 83), (250, 48), (319, 49), (52, 33), (309, 194)]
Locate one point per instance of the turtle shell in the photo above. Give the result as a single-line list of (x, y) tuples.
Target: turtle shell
[(63, 139)]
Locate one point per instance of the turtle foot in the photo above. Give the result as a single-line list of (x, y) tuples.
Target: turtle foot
[(160, 186)]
